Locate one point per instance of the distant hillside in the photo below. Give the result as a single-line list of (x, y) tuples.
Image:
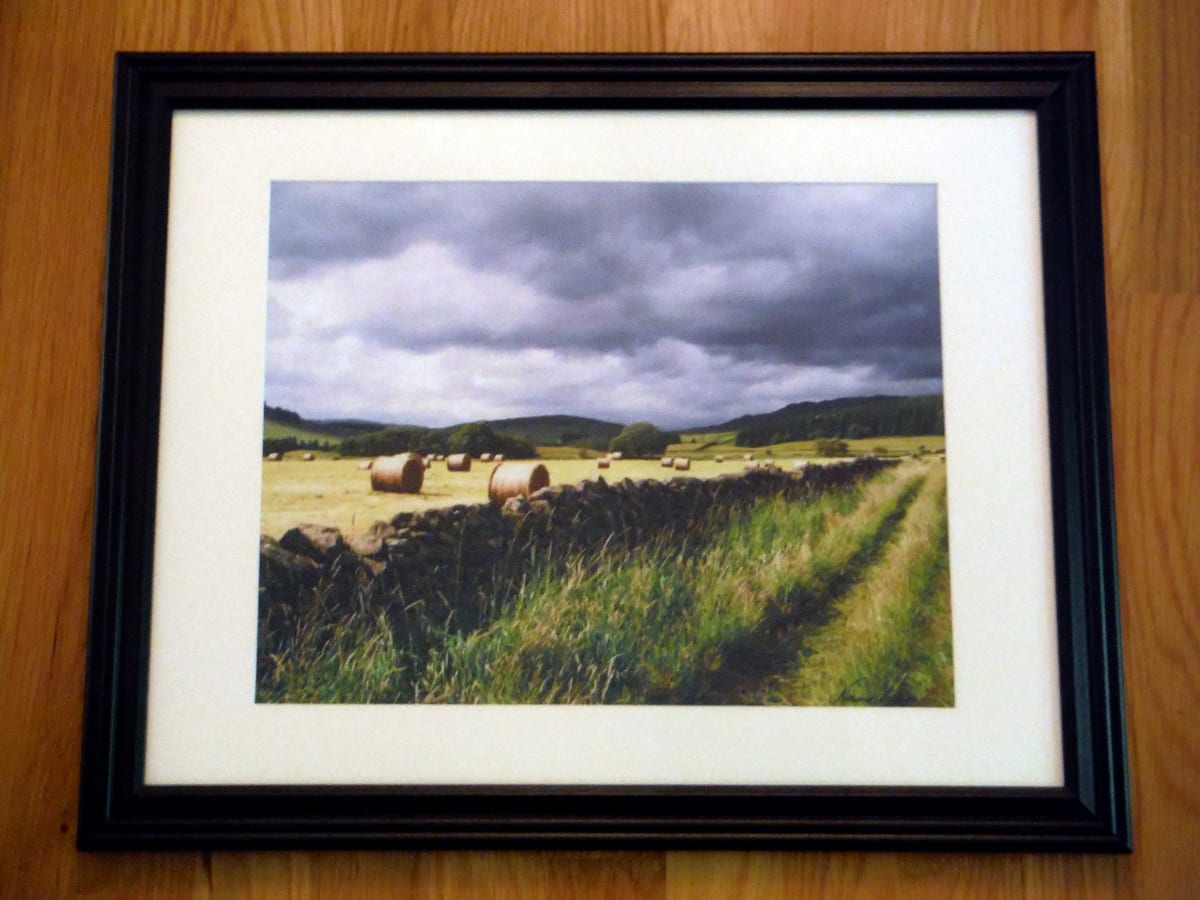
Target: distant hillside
[(558, 430), (282, 423), (347, 427), (848, 417), (475, 438), (515, 438)]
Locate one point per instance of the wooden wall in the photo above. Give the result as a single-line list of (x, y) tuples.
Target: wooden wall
[(55, 76)]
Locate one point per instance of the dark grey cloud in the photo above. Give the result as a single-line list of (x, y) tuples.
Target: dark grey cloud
[(813, 276)]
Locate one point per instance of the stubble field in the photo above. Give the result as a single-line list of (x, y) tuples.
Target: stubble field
[(329, 491)]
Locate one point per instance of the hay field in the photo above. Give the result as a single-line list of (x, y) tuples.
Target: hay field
[(335, 492)]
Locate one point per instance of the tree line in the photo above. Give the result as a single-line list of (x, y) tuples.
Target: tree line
[(866, 418), (642, 439), (474, 438), (284, 416), (284, 444)]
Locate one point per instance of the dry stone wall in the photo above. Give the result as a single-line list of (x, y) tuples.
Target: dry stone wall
[(451, 567)]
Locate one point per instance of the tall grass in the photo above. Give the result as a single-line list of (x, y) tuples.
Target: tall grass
[(890, 642), (677, 623), (356, 660)]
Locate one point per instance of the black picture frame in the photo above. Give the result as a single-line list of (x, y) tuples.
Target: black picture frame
[(1089, 813)]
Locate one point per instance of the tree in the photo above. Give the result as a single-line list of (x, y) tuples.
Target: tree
[(279, 445), (474, 438), (478, 438), (832, 447), (279, 414), (393, 439), (641, 439)]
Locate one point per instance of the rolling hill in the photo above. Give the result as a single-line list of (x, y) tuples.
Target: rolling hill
[(558, 429), (847, 417), (282, 423), (546, 430)]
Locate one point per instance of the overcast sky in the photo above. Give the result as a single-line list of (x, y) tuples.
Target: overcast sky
[(435, 303)]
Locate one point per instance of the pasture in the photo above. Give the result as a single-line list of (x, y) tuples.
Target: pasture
[(276, 430)]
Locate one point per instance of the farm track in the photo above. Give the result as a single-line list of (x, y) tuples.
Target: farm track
[(890, 642), (752, 664)]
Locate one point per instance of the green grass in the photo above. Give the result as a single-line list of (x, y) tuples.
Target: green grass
[(275, 430), (708, 445), (890, 641), (675, 624), (709, 437), (356, 659)]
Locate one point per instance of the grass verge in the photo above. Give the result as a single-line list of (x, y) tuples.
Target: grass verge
[(697, 622), (890, 641)]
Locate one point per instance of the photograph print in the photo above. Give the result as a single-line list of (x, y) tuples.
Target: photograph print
[(604, 443)]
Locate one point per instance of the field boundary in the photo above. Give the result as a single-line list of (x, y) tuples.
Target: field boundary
[(447, 569)]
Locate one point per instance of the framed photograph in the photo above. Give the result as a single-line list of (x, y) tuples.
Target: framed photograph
[(687, 451)]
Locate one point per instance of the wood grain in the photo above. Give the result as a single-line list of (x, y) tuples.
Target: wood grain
[(55, 76)]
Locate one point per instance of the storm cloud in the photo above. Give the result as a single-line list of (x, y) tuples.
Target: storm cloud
[(681, 303)]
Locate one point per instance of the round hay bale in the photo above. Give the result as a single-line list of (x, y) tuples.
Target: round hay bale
[(513, 479), (667, 462), (751, 466), (683, 464), (485, 457), (498, 457), (602, 462), (364, 466), (748, 456), (616, 454), (274, 457), (400, 474), (768, 463), (458, 462), (718, 458), (308, 457), (427, 462)]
